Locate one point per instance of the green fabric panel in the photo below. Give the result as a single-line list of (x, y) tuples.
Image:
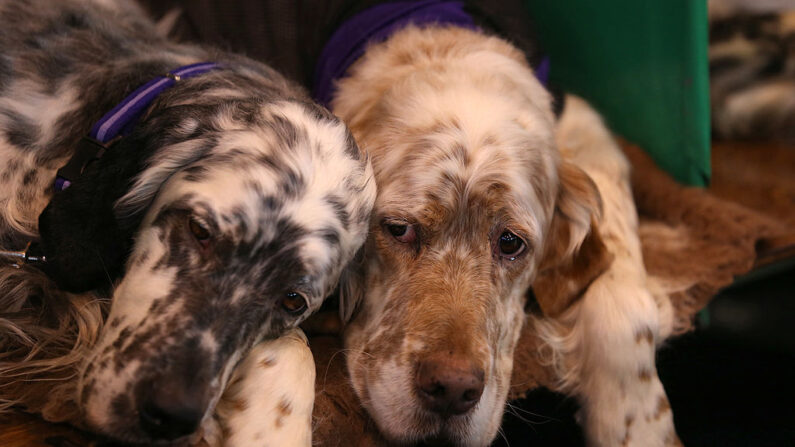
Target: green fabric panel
[(643, 64)]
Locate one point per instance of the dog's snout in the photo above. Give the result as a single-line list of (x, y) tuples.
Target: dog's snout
[(448, 385), (170, 412)]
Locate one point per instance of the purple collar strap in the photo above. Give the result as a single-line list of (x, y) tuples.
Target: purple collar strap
[(374, 25), (121, 120)]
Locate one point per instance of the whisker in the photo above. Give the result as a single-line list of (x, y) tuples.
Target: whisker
[(331, 359), (502, 435), (516, 412)]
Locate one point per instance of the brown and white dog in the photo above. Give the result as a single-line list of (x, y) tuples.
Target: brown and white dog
[(474, 205)]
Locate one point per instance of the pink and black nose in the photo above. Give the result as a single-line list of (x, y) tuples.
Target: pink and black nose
[(448, 385)]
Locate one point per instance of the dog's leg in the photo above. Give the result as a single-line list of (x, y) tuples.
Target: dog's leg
[(619, 322), (269, 398), (623, 400)]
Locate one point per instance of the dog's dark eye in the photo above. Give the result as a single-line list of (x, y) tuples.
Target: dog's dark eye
[(293, 303), (200, 232), (402, 232), (510, 245)]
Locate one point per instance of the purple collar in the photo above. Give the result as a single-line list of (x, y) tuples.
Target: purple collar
[(121, 120), (374, 25)]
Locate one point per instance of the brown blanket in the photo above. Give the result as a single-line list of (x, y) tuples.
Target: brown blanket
[(693, 244)]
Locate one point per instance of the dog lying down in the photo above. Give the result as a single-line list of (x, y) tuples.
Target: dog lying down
[(475, 205), (223, 211)]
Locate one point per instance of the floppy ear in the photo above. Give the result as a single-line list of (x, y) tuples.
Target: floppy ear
[(86, 245), (574, 254)]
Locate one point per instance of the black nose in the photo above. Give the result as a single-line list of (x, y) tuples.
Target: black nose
[(448, 385), (167, 416)]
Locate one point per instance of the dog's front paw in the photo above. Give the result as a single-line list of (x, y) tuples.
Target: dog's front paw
[(270, 395)]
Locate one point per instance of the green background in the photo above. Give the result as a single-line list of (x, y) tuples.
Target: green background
[(643, 64)]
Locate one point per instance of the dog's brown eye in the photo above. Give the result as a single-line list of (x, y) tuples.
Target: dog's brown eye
[(510, 245), (402, 232), (293, 303), (200, 232)]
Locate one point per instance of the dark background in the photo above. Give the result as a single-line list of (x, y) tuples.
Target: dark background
[(730, 382)]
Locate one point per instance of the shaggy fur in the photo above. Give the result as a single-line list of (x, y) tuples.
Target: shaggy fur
[(602, 349), (269, 398), (461, 135), (693, 244), (223, 219)]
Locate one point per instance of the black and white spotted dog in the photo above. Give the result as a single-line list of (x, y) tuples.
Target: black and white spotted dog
[(218, 218)]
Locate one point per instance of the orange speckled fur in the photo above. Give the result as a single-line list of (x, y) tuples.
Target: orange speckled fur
[(461, 136)]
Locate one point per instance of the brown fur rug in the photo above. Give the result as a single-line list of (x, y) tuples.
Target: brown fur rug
[(694, 244)]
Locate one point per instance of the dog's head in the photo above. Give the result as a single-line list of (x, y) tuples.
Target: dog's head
[(473, 204), (226, 217)]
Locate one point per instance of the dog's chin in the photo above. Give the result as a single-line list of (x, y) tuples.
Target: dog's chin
[(430, 430), (440, 439), (443, 439), (402, 420)]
